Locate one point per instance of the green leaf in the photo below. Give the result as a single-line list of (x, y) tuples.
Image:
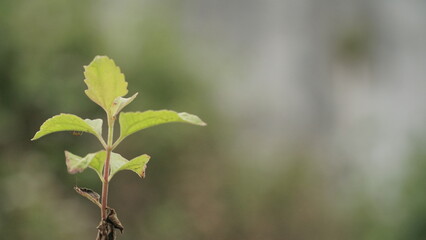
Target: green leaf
[(137, 165), (98, 163), (96, 124), (76, 164), (120, 102), (132, 122), (69, 122), (105, 82)]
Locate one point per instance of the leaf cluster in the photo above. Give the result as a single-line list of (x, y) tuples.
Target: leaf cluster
[(106, 86)]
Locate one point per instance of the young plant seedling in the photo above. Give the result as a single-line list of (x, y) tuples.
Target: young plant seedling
[(107, 87)]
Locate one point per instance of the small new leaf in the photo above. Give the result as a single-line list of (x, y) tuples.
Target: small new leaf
[(120, 102), (132, 122), (69, 122), (105, 82), (137, 165)]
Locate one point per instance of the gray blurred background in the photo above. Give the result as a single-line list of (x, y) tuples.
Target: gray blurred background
[(316, 113)]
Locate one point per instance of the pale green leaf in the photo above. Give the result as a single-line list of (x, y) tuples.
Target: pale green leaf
[(132, 122), (76, 164), (96, 124), (137, 165), (119, 163), (69, 122), (104, 81), (98, 163), (120, 102)]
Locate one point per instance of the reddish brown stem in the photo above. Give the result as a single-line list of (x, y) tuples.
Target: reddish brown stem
[(105, 185)]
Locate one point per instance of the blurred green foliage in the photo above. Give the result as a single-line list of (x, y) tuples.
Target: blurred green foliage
[(196, 187)]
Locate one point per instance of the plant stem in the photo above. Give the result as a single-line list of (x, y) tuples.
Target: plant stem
[(116, 143), (102, 141), (106, 168), (105, 186)]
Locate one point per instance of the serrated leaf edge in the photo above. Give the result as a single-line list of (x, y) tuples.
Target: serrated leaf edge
[(94, 132)]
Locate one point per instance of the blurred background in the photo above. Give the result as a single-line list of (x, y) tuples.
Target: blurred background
[(315, 109)]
